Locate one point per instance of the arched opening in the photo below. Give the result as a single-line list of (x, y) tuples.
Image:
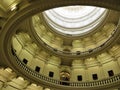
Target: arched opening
[(65, 76)]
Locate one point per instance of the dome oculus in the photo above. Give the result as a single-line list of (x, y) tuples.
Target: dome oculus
[(74, 20)]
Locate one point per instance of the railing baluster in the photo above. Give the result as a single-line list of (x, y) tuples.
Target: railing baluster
[(98, 83)]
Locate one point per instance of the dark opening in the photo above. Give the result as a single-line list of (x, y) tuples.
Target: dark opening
[(111, 73), (51, 74), (79, 78), (95, 77), (0, 27), (13, 52), (78, 52), (66, 50), (64, 78), (65, 83), (25, 61), (55, 50), (102, 45), (90, 50), (37, 69)]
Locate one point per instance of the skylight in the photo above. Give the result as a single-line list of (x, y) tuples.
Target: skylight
[(74, 20)]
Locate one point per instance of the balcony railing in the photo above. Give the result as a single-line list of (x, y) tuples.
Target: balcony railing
[(90, 84), (84, 53)]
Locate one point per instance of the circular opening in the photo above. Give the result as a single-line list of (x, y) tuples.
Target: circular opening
[(74, 20)]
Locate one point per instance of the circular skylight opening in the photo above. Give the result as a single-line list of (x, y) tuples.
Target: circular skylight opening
[(74, 20)]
